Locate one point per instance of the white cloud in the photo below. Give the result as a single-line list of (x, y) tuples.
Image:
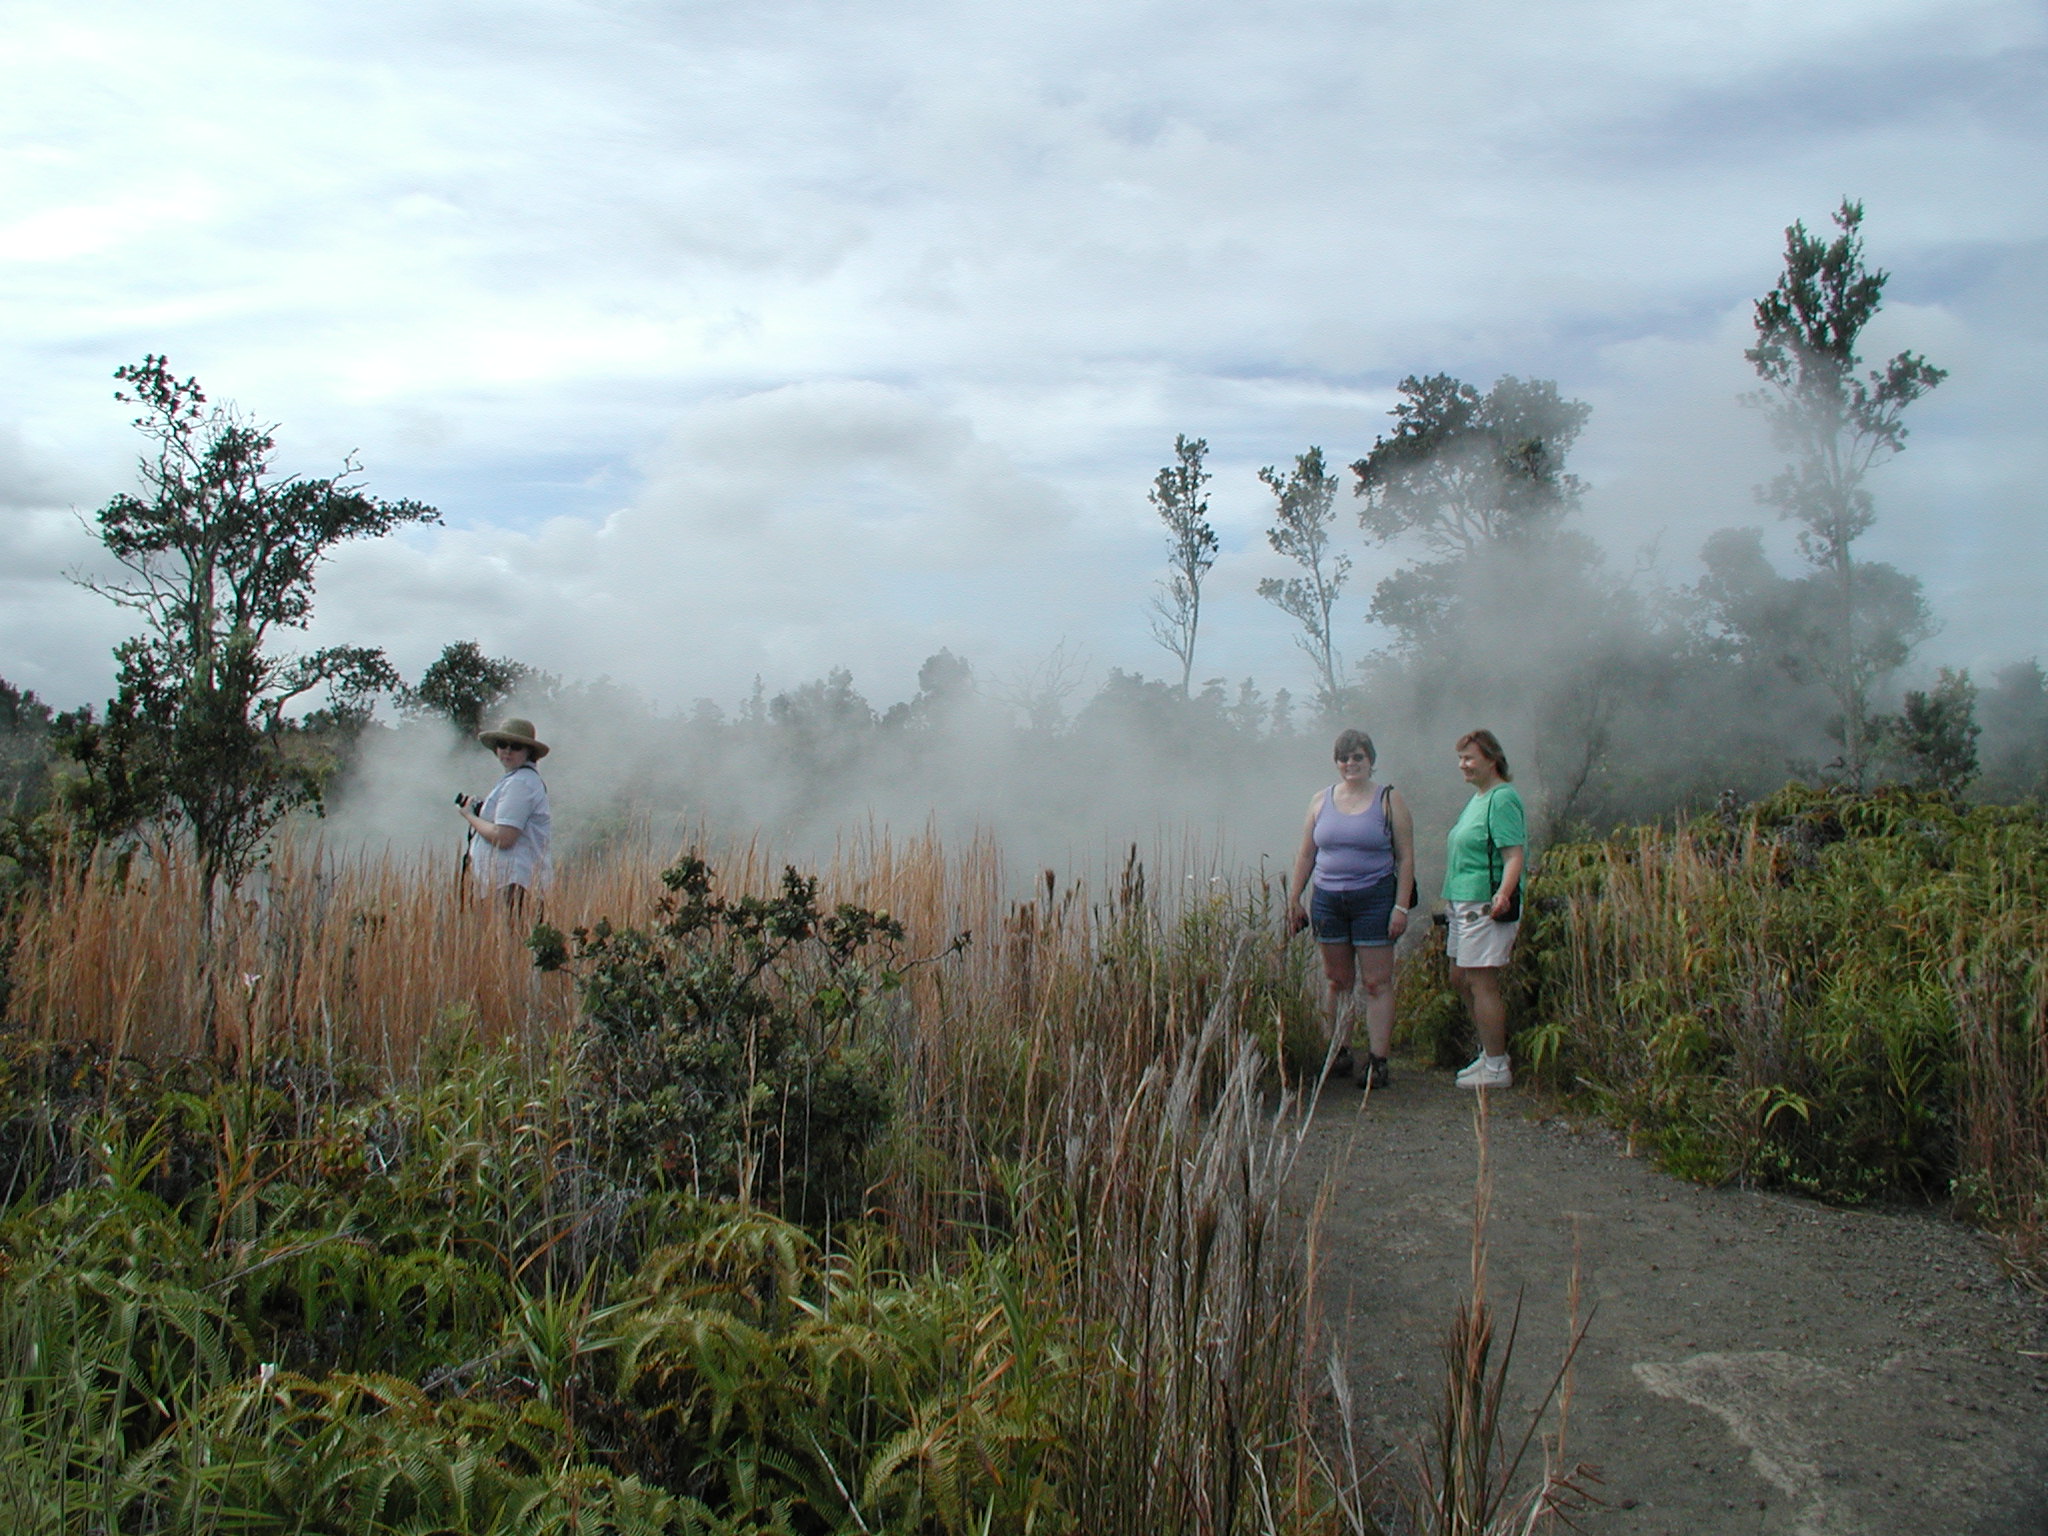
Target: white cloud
[(778, 336), (778, 533)]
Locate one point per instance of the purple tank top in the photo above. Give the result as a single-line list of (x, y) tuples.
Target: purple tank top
[(1353, 853)]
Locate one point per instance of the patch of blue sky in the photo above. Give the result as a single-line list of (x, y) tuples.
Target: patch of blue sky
[(514, 492)]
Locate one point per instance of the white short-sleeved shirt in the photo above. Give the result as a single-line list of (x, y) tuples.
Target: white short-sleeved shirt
[(519, 800)]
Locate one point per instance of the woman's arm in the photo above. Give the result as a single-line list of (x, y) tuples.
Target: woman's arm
[(1510, 877), (498, 835), (1401, 827), (1304, 867)]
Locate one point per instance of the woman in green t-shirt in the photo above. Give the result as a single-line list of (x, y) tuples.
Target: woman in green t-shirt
[(1483, 862)]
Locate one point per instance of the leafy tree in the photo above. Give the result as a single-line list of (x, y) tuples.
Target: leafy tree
[(1934, 735), (31, 736), (1464, 470), (1177, 609), (1464, 473), (818, 712), (820, 731), (220, 553), (26, 725), (1835, 427), (1791, 624), (945, 686), (1786, 621), (1301, 532), (1509, 614), (464, 686)]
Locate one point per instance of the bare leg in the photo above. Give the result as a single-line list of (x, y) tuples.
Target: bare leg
[(1340, 974), (1481, 988), (1375, 967)]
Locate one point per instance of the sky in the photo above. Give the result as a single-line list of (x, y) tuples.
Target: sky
[(740, 341)]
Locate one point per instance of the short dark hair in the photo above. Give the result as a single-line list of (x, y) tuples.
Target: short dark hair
[(1489, 746), (1349, 742)]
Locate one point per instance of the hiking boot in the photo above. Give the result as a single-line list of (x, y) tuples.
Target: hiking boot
[(1341, 1067), (1486, 1074), (1376, 1074)]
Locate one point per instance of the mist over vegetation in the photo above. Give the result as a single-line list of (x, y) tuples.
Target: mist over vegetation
[(1621, 696)]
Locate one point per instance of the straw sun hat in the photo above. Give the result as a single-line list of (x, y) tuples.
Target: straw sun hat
[(514, 733)]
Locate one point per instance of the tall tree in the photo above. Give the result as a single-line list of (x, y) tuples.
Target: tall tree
[(945, 688), (462, 685), (1191, 551), (220, 554), (1835, 427), (1464, 473), (1301, 531)]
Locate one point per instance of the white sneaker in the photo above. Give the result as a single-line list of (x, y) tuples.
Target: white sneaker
[(1471, 1066), (1484, 1074)]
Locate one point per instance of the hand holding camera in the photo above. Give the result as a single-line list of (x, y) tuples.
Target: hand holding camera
[(466, 802)]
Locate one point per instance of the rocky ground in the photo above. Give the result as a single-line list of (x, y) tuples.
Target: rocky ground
[(1753, 1363)]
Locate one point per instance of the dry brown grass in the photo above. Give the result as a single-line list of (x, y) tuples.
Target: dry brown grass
[(364, 957)]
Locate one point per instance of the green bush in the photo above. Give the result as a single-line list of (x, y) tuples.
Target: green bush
[(722, 1048)]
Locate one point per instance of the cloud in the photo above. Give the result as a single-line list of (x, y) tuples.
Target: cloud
[(768, 338), (776, 533)]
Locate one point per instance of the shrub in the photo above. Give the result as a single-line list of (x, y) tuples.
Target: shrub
[(722, 1050), (1834, 992)]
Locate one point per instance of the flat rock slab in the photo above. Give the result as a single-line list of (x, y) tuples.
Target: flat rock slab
[(1754, 1363)]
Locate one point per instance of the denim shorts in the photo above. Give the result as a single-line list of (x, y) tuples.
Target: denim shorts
[(1357, 918)]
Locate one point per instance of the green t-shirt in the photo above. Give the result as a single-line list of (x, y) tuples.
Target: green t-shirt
[(1471, 870)]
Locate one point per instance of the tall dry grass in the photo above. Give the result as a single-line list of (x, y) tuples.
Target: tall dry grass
[(364, 957)]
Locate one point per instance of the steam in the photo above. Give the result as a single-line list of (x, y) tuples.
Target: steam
[(1153, 771)]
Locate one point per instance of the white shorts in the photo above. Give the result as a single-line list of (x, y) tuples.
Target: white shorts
[(1474, 940)]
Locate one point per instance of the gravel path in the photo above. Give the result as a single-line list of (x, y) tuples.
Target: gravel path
[(1756, 1363)]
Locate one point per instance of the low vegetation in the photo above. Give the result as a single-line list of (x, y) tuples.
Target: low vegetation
[(990, 1243), (887, 1199), (1840, 994)]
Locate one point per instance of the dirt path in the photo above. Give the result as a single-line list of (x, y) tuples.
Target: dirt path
[(1757, 1364)]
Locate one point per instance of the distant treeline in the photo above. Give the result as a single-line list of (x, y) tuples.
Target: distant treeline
[(1621, 699), (1655, 722)]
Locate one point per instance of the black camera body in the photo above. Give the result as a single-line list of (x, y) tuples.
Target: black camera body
[(463, 800)]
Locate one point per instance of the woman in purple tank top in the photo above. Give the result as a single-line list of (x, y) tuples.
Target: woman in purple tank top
[(1358, 851)]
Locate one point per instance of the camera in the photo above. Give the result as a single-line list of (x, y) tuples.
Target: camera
[(463, 800)]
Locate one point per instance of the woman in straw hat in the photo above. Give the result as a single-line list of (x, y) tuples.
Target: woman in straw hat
[(509, 829)]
